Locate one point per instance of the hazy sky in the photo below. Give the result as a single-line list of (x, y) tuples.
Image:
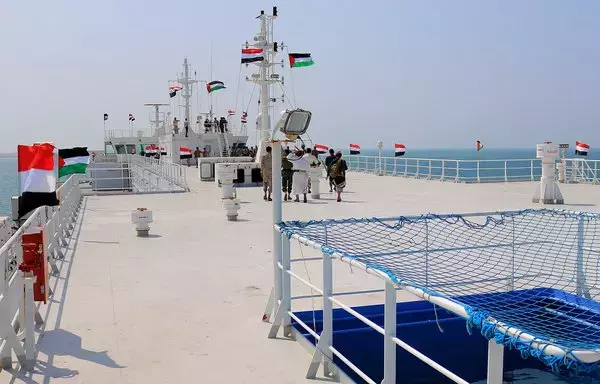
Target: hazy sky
[(425, 73)]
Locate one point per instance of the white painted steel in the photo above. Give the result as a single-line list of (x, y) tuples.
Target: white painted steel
[(389, 346), (18, 314), (448, 169), (495, 368)]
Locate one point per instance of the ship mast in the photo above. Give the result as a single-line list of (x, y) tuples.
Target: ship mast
[(187, 83), (265, 77)]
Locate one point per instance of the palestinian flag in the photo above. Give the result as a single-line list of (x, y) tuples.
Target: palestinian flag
[(354, 149), (251, 55), (321, 148), (72, 160), (400, 149), (479, 145), (185, 153), (214, 86), (244, 117), (581, 148), (300, 60), (131, 117), (35, 164), (105, 116)]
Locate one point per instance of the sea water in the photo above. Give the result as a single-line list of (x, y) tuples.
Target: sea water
[(8, 183)]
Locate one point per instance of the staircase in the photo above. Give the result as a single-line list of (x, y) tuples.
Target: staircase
[(224, 145)]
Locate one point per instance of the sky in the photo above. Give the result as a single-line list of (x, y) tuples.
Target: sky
[(429, 74)]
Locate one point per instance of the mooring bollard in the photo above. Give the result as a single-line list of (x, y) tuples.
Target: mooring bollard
[(142, 218), (315, 174), (227, 173)]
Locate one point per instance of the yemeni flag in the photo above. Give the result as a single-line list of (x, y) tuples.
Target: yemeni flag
[(400, 149), (163, 151), (244, 117), (185, 153), (173, 89), (35, 164), (73, 160), (131, 117), (214, 86), (321, 148), (581, 148), (479, 145), (300, 60), (251, 55), (354, 149), (150, 150)]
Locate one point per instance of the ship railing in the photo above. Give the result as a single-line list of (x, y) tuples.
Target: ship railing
[(465, 171), (19, 315), (282, 298), (136, 174), (582, 171)]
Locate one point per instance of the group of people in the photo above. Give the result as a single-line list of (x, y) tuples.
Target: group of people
[(216, 125), (243, 151), (295, 166)]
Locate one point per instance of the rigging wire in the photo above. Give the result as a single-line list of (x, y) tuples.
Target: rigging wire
[(291, 78)]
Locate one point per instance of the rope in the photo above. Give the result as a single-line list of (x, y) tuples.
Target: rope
[(534, 272)]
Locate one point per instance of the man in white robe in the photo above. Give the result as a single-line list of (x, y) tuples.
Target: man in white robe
[(300, 167)]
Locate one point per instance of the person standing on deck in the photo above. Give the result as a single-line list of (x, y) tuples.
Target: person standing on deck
[(328, 160), (286, 175), (337, 172), (300, 179), (197, 155), (312, 162), (266, 171), (186, 126), (175, 126)]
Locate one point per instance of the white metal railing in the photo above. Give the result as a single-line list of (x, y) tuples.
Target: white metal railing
[(282, 298), (469, 171), (582, 171), (18, 313), (137, 174)]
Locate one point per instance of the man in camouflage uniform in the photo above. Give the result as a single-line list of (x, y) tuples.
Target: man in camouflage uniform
[(286, 175), (266, 170)]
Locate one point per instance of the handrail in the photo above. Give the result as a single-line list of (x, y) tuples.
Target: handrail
[(57, 224), (457, 170)]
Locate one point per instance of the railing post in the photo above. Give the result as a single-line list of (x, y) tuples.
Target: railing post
[(505, 172), (582, 289), (417, 174), (322, 352), (531, 170), (443, 170), (429, 174), (457, 178), (389, 346), (395, 166), (478, 179), (495, 362), (29, 316), (405, 167)]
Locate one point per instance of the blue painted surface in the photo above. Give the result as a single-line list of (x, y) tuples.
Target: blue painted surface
[(454, 348)]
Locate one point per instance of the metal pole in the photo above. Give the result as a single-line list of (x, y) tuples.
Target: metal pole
[(327, 333), (29, 316), (581, 284), (277, 216), (389, 347), (286, 300), (495, 362)]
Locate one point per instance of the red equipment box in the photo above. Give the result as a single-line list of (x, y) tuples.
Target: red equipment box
[(36, 261)]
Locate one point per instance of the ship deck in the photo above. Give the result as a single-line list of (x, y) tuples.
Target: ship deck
[(185, 304)]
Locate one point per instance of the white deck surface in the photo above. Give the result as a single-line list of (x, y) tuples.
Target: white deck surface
[(185, 304)]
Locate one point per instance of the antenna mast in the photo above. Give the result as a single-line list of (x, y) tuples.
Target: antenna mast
[(187, 83), (266, 75), (156, 122)]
